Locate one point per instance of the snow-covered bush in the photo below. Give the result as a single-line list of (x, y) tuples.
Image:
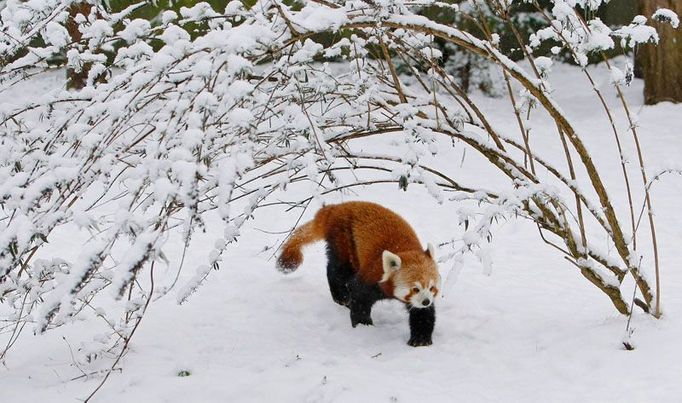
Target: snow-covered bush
[(221, 124)]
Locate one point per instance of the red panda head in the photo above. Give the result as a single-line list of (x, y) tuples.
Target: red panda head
[(414, 276)]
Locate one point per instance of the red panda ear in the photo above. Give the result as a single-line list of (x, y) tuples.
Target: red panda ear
[(391, 263), (430, 251)]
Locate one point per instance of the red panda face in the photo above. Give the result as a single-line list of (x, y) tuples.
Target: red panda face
[(419, 295), (415, 277)]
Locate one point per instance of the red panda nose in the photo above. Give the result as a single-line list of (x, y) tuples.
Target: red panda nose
[(426, 302)]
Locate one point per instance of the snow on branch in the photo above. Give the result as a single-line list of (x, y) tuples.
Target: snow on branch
[(666, 15)]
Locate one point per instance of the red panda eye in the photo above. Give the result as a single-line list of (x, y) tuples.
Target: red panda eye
[(415, 289), (433, 289)]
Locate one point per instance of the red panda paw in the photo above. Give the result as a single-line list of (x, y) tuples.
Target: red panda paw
[(361, 321), (419, 341)]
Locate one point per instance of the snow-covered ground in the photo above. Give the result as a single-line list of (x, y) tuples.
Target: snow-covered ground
[(532, 331)]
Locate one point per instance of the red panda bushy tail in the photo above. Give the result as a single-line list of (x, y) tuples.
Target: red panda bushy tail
[(291, 256)]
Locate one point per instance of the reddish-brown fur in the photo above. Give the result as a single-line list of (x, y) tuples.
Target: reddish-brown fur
[(359, 232)]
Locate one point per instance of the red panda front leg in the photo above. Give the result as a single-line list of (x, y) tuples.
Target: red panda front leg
[(422, 322), (362, 297)]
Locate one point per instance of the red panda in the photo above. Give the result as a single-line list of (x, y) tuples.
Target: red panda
[(372, 254)]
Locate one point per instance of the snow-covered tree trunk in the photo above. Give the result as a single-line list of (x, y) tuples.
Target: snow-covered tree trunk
[(662, 64)]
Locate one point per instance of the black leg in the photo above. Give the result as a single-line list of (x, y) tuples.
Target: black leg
[(362, 297), (338, 276), (422, 321)]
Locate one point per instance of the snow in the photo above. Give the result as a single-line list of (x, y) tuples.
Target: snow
[(241, 117), (598, 39), (530, 330), (637, 33), (664, 14), (134, 30), (544, 64), (562, 10), (55, 34), (197, 12), (316, 18)]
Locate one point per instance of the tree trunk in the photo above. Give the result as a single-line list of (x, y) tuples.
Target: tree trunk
[(661, 63)]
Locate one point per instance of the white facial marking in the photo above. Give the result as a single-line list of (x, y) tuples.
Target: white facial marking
[(401, 292)]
